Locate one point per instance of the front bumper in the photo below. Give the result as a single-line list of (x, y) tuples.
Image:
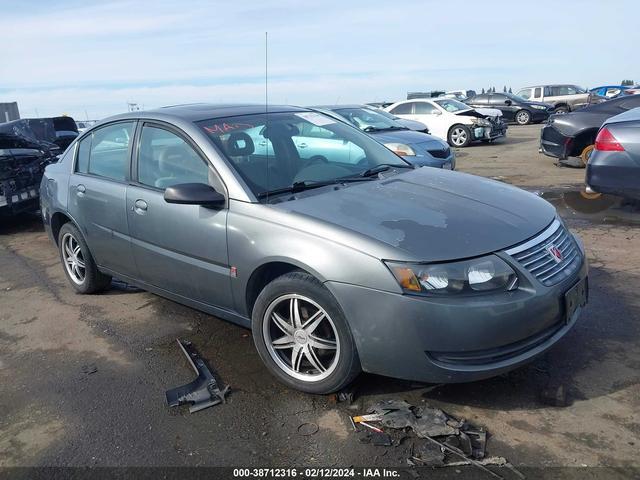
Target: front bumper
[(496, 130), (426, 159), (448, 340)]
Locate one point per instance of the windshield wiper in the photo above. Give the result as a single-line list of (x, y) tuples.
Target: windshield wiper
[(296, 187), (383, 167)]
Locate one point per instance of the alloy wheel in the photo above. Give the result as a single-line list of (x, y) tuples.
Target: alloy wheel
[(73, 259), (301, 338), (459, 136), (523, 118)]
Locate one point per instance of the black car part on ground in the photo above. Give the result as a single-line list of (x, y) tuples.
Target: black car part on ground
[(204, 391), (573, 134), (22, 162)]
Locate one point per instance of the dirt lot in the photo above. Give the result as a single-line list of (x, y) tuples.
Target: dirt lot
[(82, 378)]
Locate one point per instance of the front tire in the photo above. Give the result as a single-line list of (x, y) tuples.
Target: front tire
[(523, 117), (459, 136), (302, 335), (561, 109), (78, 263)]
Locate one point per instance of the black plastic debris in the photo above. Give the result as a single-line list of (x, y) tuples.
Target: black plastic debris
[(204, 391)]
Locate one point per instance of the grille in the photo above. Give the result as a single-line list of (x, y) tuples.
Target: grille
[(440, 153), (536, 257)]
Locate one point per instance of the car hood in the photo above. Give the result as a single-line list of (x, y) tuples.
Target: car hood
[(480, 112), (412, 124), (408, 137), (430, 214)]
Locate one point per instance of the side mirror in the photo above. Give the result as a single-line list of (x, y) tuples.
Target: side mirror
[(194, 194), (507, 102), (436, 112)]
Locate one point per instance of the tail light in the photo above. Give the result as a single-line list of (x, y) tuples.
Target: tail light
[(606, 142)]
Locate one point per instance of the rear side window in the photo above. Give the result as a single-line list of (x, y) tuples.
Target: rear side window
[(166, 159), (105, 152), (403, 109)]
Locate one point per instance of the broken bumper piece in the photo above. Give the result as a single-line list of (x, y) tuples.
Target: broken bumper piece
[(204, 391)]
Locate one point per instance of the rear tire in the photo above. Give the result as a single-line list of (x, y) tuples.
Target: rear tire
[(459, 136), (561, 109), (302, 335), (78, 263), (523, 117), (586, 154)]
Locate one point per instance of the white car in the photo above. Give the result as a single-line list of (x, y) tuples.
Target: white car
[(451, 120)]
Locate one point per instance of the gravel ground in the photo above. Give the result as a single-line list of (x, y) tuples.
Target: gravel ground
[(82, 378)]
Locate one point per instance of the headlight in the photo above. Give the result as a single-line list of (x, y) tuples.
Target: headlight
[(401, 149), (539, 107), (485, 274), (483, 122)]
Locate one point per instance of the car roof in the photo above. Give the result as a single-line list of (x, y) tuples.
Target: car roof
[(204, 111)]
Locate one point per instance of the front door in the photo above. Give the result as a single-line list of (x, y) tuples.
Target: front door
[(97, 195), (179, 248)]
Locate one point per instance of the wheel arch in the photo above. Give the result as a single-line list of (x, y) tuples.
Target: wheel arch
[(582, 140), (268, 271), (58, 219)]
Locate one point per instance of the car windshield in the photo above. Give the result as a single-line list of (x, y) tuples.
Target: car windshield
[(368, 120), (451, 105), (284, 150), (513, 97)]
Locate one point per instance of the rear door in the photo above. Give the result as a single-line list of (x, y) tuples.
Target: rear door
[(97, 194), (181, 249)]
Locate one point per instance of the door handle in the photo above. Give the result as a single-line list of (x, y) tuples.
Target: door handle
[(80, 189), (140, 207), (302, 145)]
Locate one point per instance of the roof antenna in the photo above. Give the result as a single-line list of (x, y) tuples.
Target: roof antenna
[(266, 105)]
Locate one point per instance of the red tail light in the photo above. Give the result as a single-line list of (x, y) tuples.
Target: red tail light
[(606, 142)]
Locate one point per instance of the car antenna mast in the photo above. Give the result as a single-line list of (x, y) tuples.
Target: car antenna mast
[(266, 104)]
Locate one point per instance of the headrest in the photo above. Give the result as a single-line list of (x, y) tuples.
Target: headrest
[(239, 144), (278, 129)]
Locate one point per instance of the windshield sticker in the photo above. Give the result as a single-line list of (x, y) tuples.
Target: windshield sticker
[(315, 118), (222, 128)]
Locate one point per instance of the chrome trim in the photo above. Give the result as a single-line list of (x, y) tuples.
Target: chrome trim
[(550, 230)]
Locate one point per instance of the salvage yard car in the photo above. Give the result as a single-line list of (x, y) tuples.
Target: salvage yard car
[(27, 146), (451, 120), (336, 266), (614, 166), (417, 148), (513, 108), (564, 98), (573, 135)]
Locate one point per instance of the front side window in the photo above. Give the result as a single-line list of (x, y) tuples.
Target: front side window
[(403, 109), (424, 108), (166, 159), (452, 106), (278, 150), (105, 151)]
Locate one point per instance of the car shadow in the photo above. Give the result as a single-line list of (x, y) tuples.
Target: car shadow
[(21, 223)]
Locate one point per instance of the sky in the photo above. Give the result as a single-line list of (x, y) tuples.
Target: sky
[(89, 59)]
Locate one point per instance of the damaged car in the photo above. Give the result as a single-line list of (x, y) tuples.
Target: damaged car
[(571, 137), (26, 148), (451, 120), (340, 265)]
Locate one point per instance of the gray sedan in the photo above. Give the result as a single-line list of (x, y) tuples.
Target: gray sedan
[(337, 264), (614, 165)]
